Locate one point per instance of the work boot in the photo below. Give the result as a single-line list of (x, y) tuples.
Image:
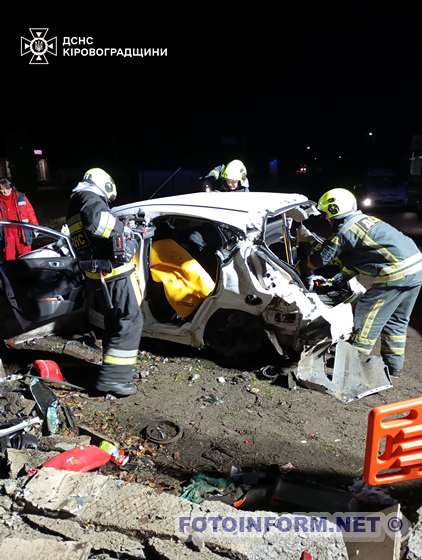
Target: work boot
[(118, 389), (394, 372)]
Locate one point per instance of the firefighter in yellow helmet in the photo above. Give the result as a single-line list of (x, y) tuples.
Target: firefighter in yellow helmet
[(366, 245), (114, 296), (227, 178)]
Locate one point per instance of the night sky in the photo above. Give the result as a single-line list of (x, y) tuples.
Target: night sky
[(273, 83)]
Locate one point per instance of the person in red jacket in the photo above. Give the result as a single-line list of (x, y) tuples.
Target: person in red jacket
[(14, 205)]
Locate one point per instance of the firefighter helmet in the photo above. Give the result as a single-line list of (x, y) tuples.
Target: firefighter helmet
[(103, 181), (337, 203), (234, 171)]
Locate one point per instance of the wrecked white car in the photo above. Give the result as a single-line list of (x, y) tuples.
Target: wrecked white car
[(220, 270), (246, 246), (243, 290)]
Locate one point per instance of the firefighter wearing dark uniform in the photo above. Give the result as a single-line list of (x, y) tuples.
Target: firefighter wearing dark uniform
[(92, 228), (227, 178), (366, 245)]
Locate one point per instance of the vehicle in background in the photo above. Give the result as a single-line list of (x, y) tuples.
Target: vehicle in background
[(415, 176), (382, 188)]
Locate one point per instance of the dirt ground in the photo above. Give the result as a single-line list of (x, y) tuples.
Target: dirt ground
[(245, 420)]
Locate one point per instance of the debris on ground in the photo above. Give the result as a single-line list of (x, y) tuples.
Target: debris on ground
[(365, 496), (205, 487), (163, 432), (52, 343), (48, 369), (117, 456), (24, 423), (13, 404), (54, 413), (287, 467), (80, 459), (270, 372), (251, 488), (63, 443), (211, 399)]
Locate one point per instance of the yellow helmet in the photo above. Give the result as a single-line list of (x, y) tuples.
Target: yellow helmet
[(234, 171), (103, 180), (337, 203)]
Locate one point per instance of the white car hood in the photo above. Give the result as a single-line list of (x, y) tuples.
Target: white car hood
[(242, 210)]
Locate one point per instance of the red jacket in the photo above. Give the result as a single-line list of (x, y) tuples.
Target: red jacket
[(16, 241)]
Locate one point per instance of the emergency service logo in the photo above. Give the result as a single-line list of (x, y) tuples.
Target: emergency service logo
[(39, 46)]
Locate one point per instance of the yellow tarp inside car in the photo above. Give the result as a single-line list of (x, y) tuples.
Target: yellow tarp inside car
[(186, 283)]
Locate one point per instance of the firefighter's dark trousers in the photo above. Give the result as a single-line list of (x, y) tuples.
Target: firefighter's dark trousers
[(122, 327), (384, 311)]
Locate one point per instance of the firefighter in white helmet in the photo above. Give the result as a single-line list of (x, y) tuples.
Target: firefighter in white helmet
[(114, 296), (368, 246), (227, 178)]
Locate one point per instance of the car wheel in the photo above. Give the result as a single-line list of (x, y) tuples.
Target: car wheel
[(235, 334)]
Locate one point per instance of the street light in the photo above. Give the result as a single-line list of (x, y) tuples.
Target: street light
[(370, 133), (308, 147)]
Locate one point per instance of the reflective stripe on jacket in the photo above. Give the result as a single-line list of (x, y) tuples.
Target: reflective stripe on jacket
[(367, 245), (92, 227)]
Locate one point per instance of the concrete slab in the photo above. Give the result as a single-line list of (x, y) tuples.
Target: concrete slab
[(41, 549), (173, 550), (141, 512), (18, 458), (414, 545), (53, 490), (108, 541)]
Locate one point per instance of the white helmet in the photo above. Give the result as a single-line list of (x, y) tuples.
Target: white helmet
[(103, 181), (234, 171), (337, 203)]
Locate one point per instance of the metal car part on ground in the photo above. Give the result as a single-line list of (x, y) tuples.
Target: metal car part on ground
[(352, 376)]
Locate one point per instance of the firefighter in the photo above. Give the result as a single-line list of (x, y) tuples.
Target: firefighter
[(92, 228), (226, 178), (14, 205), (367, 245)]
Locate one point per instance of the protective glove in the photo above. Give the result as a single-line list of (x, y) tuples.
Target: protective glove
[(316, 282), (319, 282)]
